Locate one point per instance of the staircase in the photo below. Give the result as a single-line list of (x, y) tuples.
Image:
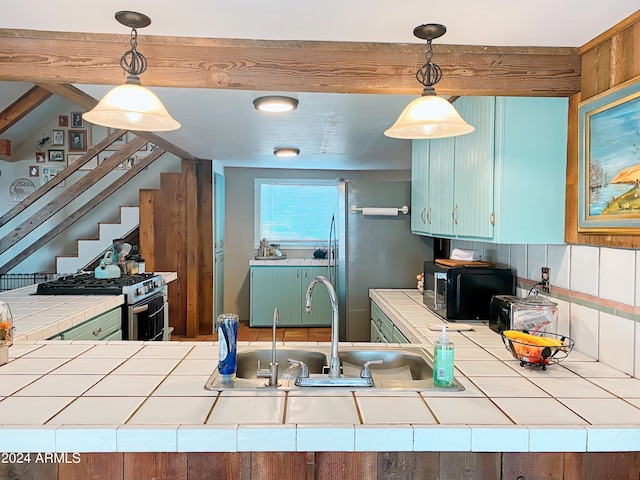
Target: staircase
[(91, 249)]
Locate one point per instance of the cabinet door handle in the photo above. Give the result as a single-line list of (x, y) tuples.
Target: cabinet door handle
[(97, 332), (429, 216), (422, 214), (453, 214)]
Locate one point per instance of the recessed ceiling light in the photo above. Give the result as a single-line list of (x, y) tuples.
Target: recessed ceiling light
[(275, 104), (286, 152)]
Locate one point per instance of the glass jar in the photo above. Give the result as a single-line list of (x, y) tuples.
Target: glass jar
[(6, 325)]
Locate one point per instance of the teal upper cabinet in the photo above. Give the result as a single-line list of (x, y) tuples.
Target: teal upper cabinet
[(419, 188), (441, 186), (503, 183), (473, 169)]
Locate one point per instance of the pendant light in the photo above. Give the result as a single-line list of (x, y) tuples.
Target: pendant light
[(132, 106), (429, 116)]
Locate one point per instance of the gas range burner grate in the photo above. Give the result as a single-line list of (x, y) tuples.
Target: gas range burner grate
[(87, 284)]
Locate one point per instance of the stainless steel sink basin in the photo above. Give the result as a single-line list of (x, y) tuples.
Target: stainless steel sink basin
[(248, 360), (408, 368), (411, 364)]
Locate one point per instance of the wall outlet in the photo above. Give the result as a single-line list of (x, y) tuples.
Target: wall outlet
[(546, 286)]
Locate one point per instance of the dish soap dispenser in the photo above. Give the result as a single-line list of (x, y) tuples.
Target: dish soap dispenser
[(443, 360)]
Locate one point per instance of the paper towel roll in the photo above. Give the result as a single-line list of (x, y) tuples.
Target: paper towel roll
[(387, 212)]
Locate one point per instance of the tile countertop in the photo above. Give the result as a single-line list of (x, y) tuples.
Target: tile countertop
[(289, 262), (38, 317), (149, 396)]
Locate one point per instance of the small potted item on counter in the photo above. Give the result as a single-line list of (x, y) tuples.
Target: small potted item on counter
[(6, 332)]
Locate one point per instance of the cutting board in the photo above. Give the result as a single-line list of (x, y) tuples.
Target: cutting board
[(462, 263)]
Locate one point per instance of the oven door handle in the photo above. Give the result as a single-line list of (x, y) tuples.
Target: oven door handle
[(140, 309)]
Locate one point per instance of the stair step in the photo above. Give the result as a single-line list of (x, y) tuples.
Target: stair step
[(90, 249)]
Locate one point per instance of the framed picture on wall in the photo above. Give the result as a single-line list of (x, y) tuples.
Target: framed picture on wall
[(49, 173), (63, 121), (76, 120), (90, 165), (41, 157), (57, 138), (56, 155), (78, 140), (609, 162)]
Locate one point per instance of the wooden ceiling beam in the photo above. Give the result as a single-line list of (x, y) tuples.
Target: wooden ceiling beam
[(21, 107), (291, 66)]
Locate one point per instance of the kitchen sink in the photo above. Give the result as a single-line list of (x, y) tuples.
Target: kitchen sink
[(407, 368), (248, 360)]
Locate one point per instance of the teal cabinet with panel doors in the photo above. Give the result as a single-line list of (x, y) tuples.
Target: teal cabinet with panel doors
[(285, 288), (503, 183)]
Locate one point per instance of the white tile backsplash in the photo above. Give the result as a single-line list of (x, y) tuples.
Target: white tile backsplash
[(584, 269), (584, 329), (536, 259), (518, 260), (617, 275), (608, 273), (559, 264), (616, 342)]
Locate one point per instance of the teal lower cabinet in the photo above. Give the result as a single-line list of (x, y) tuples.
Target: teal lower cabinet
[(383, 329), (285, 288), (106, 326)]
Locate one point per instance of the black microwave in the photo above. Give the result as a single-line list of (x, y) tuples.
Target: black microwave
[(464, 292)]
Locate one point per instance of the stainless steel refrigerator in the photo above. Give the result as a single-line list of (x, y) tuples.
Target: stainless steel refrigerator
[(373, 251)]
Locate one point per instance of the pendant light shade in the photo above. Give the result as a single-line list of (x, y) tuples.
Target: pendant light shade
[(132, 106), (429, 116), (426, 117)]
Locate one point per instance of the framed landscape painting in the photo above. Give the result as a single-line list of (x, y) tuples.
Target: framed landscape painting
[(609, 162)]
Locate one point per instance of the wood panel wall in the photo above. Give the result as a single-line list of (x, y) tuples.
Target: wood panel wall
[(333, 466), (176, 235), (607, 61)]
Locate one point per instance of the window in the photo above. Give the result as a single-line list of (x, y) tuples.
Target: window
[(294, 213)]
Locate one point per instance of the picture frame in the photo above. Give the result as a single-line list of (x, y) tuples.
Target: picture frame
[(77, 140), (57, 138), (609, 162), (34, 171), (63, 121), (131, 162), (48, 173), (90, 165), (77, 120), (56, 155), (41, 157)]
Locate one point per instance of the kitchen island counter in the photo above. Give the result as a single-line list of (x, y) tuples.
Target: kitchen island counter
[(149, 396)]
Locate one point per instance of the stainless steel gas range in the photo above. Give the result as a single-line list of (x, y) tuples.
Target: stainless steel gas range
[(144, 313)]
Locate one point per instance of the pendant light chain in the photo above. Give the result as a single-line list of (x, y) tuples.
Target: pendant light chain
[(430, 73), (133, 62)]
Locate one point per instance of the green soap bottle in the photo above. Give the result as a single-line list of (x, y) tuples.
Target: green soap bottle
[(443, 360)]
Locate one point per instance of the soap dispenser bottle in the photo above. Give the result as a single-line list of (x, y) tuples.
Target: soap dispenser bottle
[(443, 360)]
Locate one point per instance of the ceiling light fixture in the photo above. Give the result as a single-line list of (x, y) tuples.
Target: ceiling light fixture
[(132, 106), (275, 104), (429, 116), (286, 152)]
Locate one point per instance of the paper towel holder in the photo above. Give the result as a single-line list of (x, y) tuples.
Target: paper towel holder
[(404, 209)]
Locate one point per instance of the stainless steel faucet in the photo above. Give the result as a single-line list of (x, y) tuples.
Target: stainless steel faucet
[(272, 372), (334, 364)]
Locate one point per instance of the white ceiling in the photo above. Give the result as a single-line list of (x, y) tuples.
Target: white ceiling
[(333, 131)]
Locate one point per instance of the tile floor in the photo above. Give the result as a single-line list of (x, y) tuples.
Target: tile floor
[(251, 334)]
